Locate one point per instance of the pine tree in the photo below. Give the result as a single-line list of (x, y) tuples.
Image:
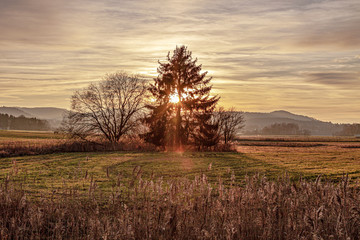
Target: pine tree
[(207, 134), (181, 100)]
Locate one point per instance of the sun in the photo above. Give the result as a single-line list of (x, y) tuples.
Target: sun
[(174, 98)]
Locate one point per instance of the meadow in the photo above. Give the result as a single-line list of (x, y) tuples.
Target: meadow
[(306, 157), (271, 188)]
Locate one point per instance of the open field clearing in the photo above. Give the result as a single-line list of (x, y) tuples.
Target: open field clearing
[(26, 142), (45, 173), (331, 157), (14, 135), (190, 195), (273, 157)]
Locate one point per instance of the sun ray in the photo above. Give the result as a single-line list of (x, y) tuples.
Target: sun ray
[(174, 98)]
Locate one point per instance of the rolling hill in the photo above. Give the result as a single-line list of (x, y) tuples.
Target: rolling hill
[(254, 121), (53, 115), (16, 112)]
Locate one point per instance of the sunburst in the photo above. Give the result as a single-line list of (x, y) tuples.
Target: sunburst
[(174, 98)]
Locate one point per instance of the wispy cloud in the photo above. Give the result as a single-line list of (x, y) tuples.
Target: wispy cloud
[(264, 55), (344, 79)]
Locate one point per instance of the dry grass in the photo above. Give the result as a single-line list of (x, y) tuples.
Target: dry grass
[(26, 147), (330, 158), (185, 209), (291, 138), (25, 143), (282, 144), (102, 195)]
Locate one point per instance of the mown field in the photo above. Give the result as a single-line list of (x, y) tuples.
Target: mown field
[(309, 156), (306, 157), (268, 189)]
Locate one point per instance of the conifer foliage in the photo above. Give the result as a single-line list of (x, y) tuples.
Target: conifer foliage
[(181, 113)]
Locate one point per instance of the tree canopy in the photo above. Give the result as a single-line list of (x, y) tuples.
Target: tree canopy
[(110, 108), (182, 106), (231, 122)]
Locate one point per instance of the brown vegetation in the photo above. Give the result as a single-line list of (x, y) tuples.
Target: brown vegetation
[(186, 209), (230, 123), (37, 147), (282, 144), (110, 108)]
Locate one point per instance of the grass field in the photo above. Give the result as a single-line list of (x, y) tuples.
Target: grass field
[(50, 172), (14, 135), (27, 139), (308, 156), (270, 156), (190, 195)]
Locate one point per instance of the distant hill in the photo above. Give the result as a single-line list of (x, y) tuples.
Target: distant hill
[(45, 112), (281, 114), (53, 115), (286, 114), (16, 112), (255, 122)]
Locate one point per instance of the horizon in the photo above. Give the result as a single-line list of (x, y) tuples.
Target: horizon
[(308, 66), (265, 112)]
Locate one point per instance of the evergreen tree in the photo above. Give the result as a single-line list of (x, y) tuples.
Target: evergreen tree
[(182, 102), (207, 134)]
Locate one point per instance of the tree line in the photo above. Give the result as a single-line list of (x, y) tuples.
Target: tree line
[(175, 111), (349, 130), (284, 129), (10, 122)]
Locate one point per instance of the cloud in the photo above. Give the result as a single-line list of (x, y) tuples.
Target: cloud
[(28, 21), (344, 79), (262, 54), (330, 24), (342, 34)]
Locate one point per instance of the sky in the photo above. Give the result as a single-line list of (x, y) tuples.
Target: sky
[(302, 56)]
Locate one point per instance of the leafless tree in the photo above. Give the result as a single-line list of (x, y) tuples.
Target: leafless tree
[(230, 123), (111, 108)]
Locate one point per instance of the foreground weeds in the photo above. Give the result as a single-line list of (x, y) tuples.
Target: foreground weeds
[(185, 209), (39, 147)]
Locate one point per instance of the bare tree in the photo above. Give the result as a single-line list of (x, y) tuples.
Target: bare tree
[(111, 108), (230, 123)]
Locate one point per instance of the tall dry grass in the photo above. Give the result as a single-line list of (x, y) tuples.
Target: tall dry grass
[(37, 147), (185, 209)]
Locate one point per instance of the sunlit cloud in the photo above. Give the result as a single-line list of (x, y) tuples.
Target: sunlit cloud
[(301, 56)]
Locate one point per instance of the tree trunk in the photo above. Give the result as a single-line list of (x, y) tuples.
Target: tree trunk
[(178, 128), (178, 120)]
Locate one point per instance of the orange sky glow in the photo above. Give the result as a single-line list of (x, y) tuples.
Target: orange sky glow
[(299, 56)]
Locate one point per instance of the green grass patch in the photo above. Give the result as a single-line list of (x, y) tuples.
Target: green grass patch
[(14, 135), (56, 171)]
